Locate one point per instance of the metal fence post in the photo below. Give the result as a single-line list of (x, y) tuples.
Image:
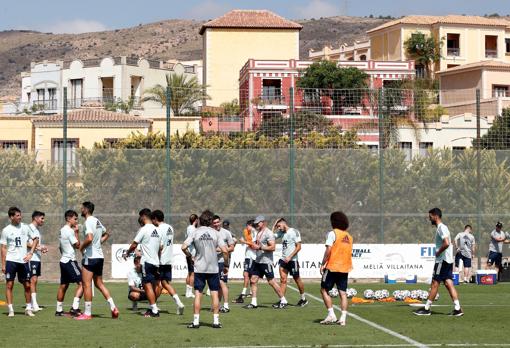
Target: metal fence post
[(291, 157), (381, 164), (168, 164), (478, 180), (64, 155)]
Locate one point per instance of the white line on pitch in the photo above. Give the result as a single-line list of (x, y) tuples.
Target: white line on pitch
[(378, 345), (371, 323)]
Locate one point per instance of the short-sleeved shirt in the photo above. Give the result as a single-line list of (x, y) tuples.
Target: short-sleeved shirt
[(442, 232), (167, 241), (250, 235), (263, 238), (134, 279), (290, 239), (495, 246), (35, 234), (205, 241), (149, 240), (226, 237), (465, 241), (94, 227), (66, 241), (16, 239), (190, 229)]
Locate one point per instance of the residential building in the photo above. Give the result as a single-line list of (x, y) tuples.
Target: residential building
[(466, 39), (230, 40), (359, 50), (95, 83)]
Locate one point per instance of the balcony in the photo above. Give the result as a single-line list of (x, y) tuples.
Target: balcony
[(271, 101), (45, 105), (99, 102), (491, 53), (453, 52)]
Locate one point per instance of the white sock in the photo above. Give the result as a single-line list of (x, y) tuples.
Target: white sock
[(28, 306), (76, 303), (177, 300), (196, 319), (303, 297), (331, 312), (88, 308), (60, 306), (189, 289), (343, 316), (225, 305), (154, 308), (112, 304), (456, 303), (283, 299), (34, 300), (244, 291), (254, 301), (216, 318), (11, 308), (428, 304)]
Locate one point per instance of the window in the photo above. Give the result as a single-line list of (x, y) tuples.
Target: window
[(420, 70), (40, 94), (507, 46), (271, 91), (491, 46), (453, 45), (21, 145), (458, 148), (363, 57), (499, 91), (424, 148), (407, 148), (57, 153)]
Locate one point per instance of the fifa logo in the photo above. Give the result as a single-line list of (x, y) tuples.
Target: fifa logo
[(427, 251)]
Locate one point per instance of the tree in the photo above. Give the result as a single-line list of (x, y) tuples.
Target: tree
[(498, 136), (186, 92), (342, 85), (231, 108), (121, 106), (425, 50)]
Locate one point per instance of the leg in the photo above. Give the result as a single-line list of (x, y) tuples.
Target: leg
[(224, 292), (28, 295), (149, 291), (98, 282), (246, 277), (8, 291), (215, 302), (166, 284), (253, 282), (283, 280), (467, 273), (434, 287), (87, 284), (33, 284), (79, 290), (326, 298), (300, 285), (451, 289), (343, 300), (275, 287), (61, 292)]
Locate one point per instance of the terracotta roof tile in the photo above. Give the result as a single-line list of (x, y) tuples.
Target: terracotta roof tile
[(87, 116), (255, 19)]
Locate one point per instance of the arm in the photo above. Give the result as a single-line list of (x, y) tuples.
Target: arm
[(32, 246), (130, 250), (226, 258), (444, 246), (271, 246), (185, 250), (3, 251), (105, 236), (294, 253), (86, 242), (76, 244), (133, 288), (325, 258)]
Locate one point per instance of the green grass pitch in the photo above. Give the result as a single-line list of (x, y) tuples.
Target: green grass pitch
[(484, 323)]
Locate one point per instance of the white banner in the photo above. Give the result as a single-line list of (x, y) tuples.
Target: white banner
[(369, 261)]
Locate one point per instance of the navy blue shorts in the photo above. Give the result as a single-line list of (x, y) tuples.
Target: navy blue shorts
[(189, 263), (165, 272), (262, 269), (248, 265), (330, 279), (35, 268), (494, 258), (223, 276), (150, 273), (21, 269), (442, 271), (94, 266), (70, 272), (212, 280), (466, 261), (292, 267)]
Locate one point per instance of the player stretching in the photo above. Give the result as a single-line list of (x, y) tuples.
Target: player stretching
[(135, 289), (442, 267), (193, 222), (205, 240), (69, 270), (15, 259), (248, 238), (167, 254), (35, 262), (336, 265), (263, 265), (93, 261), (291, 245), (226, 236), (149, 239)]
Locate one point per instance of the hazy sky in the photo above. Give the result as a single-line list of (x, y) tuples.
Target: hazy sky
[(71, 16)]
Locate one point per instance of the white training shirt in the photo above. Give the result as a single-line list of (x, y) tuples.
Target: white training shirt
[(35, 234), (226, 237), (442, 232), (149, 239), (16, 238), (189, 231), (94, 227), (134, 278), (66, 241), (167, 241)]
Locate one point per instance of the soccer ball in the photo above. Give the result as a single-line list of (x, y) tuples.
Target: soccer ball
[(424, 295), (396, 294), (414, 294), (351, 292), (333, 292), (368, 294), (354, 292), (406, 293), (385, 293), (378, 294)]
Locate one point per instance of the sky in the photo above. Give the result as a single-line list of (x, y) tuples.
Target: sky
[(69, 16)]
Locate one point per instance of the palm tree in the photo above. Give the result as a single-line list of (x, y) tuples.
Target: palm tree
[(186, 92)]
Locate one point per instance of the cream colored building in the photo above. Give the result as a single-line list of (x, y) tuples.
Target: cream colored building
[(230, 40), (466, 39), (359, 50)]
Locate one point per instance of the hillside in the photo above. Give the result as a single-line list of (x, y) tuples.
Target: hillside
[(160, 40)]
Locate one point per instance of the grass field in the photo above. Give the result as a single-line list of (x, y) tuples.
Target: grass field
[(370, 325)]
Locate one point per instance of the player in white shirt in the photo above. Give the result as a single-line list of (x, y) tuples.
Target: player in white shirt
[(35, 262), (136, 292), (225, 235), (167, 255), (149, 239), (466, 248), (193, 222), (70, 272), (15, 258), (93, 260), (443, 266), (248, 238)]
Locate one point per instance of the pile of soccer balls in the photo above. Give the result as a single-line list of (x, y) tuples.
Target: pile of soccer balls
[(351, 292), (370, 294), (399, 295)]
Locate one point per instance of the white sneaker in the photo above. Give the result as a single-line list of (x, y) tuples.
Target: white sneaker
[(29, 313), (37, 309), (190, 296), (180, 310), (341, 322), (11, 314), (328, 320)]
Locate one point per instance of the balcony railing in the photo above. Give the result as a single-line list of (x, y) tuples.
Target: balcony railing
[(43, 105), (453, 51), (99, 102), (491, 53), (273, 98)]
